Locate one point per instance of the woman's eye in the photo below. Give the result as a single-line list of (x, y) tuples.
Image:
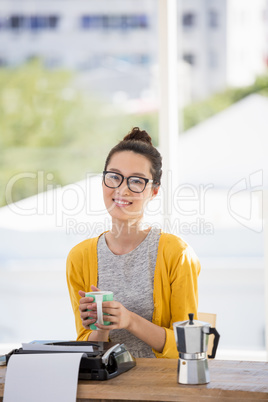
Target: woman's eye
[(114, 177), (135, 180)]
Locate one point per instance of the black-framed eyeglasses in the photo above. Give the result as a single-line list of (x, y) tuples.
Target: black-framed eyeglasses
[(135, 184)]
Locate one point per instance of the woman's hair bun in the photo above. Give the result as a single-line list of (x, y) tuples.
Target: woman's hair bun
[(139, 142), (138, 135)]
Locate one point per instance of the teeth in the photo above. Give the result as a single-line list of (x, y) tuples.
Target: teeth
[(122, 202)]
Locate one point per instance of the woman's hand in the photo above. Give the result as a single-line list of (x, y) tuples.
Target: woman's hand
[(119, 316), (87, 303)]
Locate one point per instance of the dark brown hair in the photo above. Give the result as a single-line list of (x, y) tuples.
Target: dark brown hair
[(140, 142)]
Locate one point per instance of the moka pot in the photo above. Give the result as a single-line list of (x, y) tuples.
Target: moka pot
[(192, 344)]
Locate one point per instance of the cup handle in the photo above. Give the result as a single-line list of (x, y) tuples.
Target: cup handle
[(98, 299)]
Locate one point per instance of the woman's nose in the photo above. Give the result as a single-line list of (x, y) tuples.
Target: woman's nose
[(123, 189)]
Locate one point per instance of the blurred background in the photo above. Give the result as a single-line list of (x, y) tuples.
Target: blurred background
[(75, 77)]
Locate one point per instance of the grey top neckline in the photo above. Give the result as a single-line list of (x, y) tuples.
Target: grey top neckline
[(130, 252)]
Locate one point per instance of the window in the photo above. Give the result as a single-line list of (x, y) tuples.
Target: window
[(53, 21), (124, 22), (189, 58), (37, 22), (134, 21), (143, 21), (114, 21), (213, 19), (188, 20), (32, 22), (85, 22), (91, 22), (16, 22)]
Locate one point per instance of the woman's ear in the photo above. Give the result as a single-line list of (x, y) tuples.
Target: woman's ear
[(155, 191)]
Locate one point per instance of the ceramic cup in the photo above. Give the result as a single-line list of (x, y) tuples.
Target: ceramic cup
[(99, 297)]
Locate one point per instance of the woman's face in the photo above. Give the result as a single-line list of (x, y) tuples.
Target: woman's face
[(121, 202)]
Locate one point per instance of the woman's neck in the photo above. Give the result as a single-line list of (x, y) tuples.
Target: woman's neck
[(125, 237)]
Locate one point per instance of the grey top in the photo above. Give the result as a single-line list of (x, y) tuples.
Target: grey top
[(131, 277)]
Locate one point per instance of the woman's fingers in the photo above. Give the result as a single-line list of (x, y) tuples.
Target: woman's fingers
[(118, 315), (87, 303), (85, 299), (107, 327), (87, 323), (111, 304), (86, 314), (94, 289), (110, 318), (112, 307), (87, 306)]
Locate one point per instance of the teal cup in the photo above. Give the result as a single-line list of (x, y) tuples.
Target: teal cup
[(99, 297)]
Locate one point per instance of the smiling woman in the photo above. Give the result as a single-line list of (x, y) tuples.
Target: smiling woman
[(152, 274), (129, 190)]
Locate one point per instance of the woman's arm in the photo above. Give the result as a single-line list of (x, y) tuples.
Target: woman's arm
[(177, 293), (148, 332), (121, 318)]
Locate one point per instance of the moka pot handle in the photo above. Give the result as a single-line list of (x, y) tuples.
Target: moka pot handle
[(215, 343)]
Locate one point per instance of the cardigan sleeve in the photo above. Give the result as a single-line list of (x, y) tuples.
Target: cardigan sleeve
[(179, 289), (81, 273)]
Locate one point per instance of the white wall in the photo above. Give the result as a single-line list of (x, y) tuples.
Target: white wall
[(247, 49)]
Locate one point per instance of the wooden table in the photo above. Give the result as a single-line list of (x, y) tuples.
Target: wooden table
[(156, 380)]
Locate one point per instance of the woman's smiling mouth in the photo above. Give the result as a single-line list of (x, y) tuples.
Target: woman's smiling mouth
[(121, 203)]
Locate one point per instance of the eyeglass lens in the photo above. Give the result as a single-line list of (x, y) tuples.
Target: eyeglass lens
[(135, 184)]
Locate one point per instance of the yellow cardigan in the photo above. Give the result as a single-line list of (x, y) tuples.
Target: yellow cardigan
[(175, 292)]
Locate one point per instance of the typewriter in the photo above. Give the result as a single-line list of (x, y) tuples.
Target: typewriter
[(106, 360)]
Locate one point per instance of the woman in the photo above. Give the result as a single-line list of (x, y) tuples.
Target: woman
[(153, 275)]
